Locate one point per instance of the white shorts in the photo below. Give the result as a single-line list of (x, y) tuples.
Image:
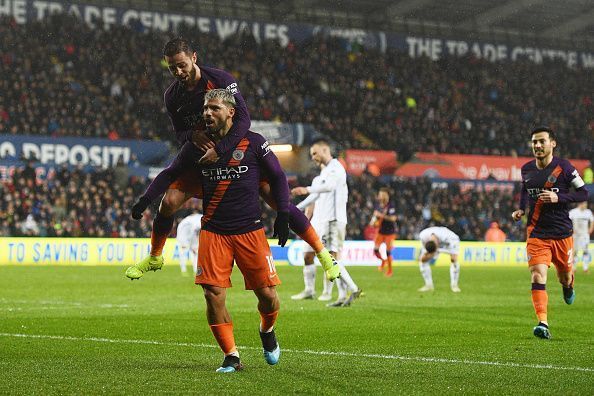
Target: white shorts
[(332, 234), (186, 241), (580, 242)]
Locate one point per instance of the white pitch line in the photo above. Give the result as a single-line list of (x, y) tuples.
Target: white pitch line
[(311, 352)]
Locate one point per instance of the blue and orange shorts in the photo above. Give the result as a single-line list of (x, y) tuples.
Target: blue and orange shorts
[(547, 251), (250, 251), (384, 238)]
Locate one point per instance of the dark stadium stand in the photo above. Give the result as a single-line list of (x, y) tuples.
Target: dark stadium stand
[(61, 78)]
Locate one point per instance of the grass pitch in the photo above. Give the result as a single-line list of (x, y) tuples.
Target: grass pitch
[(89, 330)]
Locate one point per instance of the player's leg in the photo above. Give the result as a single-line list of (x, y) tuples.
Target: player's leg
[(309, 276), (348, 290), (581, 244), (184, 252), (221, 326), (377, 242), (562, 258), (388, 239), (171, 202), (454, 273), (268, 306), (327, 291), (254, 260), (216, 252), (426, 260), (539, 254), (586, 260), (300, 224), (194, 253)]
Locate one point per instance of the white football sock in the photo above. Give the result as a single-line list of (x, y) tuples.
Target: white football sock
[(454, 274), (426, 273), (342, 288), (182, 260), (328, 286), (346, 278), (309, 278), (194, 260)]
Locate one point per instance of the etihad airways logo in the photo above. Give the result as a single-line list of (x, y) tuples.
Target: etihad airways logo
[(533, 192), (226, 173)]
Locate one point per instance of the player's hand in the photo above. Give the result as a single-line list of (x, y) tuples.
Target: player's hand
[(202, 141), (517, 215), (210, 157), (139, 207), (281, 228), (548, 196), (299, 191)]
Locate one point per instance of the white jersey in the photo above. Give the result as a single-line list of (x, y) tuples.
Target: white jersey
[(188, 228), (449, 241), (332, 192), (581, 221)]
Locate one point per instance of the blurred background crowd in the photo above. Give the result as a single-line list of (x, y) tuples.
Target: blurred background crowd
[(59, 77)]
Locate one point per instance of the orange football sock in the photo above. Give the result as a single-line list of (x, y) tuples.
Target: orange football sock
[(311, 237), (157, 242), (389, 265), (540, 300), (223, 333), (267, 321)]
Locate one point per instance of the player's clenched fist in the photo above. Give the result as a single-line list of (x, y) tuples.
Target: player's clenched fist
[(517, 215)]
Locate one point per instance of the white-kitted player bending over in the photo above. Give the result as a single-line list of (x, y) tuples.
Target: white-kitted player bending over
[(435, 240), (187, 239)]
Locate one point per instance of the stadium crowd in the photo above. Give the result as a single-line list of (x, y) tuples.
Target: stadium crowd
[(97, 204), (59, 77)]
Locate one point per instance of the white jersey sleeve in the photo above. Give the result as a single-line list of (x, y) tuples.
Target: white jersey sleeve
[(312, 197), (333, 193)]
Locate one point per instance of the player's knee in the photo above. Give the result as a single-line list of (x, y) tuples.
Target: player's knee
[(170, 203), (213, 295), (377, 253)]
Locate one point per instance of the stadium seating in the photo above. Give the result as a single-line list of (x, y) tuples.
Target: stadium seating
[(71, 84)]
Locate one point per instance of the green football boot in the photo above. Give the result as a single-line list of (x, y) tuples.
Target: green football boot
[(329, 264), (149, 263)]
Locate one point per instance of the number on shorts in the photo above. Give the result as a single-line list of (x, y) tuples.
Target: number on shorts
[(271, 264), (570, 256)]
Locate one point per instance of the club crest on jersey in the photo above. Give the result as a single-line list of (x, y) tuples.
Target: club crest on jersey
[(552, 179), (238, 155)]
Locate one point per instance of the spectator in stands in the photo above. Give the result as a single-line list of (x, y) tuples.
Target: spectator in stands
[(495, 234), (455, 105)]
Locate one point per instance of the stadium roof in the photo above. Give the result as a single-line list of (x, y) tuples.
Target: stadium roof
[(561, 22)]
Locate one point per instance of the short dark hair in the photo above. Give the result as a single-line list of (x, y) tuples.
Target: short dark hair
[(543, 128), (431, 246), (321, 141), (177, 45)]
